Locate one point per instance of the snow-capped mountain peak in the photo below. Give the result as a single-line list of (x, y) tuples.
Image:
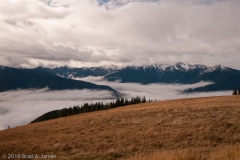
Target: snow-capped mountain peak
[(217, 67), (180, 66), (155, 69), (163, 66), (111, 67), (185, 66), (155, 66)]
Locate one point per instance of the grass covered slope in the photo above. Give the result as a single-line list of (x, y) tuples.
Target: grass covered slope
[(184, 125)]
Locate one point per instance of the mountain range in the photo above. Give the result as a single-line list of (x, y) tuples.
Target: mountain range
[(222, 78), (17, 78), (68, 72)]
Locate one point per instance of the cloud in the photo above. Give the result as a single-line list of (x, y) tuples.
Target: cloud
[(126, 32), (23, 106), (156, 91)]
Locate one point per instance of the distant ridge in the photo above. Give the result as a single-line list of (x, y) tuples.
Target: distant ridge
[(13, 78), (223, 78), (68, 72)]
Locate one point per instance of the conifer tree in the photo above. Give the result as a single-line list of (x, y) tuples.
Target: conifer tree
[(95, 107), (143, 99), (122, 102), (126, 102), (235, 92)]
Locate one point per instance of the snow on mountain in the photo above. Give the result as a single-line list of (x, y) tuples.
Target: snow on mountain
[(69, 72), (163, 66), (187, 66), (176, 67), (217, 67), (111, 67), (156, 66)]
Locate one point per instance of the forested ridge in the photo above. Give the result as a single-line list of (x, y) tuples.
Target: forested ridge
[(86, 107)]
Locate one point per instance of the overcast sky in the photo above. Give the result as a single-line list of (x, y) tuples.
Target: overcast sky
[(122, 32)]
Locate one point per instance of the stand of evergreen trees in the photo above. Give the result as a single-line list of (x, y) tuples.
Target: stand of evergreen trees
[(235, 91), (89, 108)]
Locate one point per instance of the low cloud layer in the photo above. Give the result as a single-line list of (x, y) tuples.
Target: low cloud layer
[(157, 91), (124, 32), (23, 106)]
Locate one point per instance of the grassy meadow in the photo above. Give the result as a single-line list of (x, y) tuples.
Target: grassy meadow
[(184, 129)]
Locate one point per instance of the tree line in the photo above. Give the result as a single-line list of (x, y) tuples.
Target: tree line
[(236, 92), (90, 108)]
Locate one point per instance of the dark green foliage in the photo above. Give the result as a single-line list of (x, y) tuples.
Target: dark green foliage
[(88, 108), (144, 99), (235, 91)]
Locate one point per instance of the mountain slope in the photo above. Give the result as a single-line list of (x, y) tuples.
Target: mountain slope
[(68, 72), (200, 124), (227, 79), (12, 78), (223, 78)]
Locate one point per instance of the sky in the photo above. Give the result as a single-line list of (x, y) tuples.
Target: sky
[(78, 33), (23, 106)]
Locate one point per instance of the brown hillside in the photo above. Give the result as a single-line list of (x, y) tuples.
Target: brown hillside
[(194, 124)]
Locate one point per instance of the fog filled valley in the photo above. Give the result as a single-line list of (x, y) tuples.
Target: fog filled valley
[(20, 107)]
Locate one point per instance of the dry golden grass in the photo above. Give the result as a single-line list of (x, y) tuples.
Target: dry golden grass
[(219, 153), (207, 127)]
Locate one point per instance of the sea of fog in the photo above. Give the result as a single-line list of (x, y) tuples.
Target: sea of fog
[(22, 106)]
